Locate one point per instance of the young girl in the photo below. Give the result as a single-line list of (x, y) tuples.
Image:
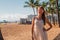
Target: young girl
[(38, 22)]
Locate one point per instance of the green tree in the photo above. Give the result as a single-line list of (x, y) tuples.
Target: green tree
[(37, 4), (52, 8), (44, 4), (30, 3)]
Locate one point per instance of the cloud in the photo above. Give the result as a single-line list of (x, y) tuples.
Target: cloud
[(12, 17)]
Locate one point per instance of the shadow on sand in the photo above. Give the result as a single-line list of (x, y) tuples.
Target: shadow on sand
[(57, 37)]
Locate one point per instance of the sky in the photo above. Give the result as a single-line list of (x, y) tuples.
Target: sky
[(14, 9)]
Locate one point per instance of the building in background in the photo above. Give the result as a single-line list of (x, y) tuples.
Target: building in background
[(29, 18), (23, 20)]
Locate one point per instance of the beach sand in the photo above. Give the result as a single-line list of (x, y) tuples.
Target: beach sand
[(15, 31)]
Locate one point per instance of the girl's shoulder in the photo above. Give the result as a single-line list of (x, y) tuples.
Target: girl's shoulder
[(34, 17)]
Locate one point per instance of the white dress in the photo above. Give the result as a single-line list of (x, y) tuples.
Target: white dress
[(39, 33)]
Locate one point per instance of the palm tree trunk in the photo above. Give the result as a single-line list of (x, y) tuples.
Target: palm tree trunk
[(53, 16), (36, 9), (33, 10), (58, 13), (53, 19)]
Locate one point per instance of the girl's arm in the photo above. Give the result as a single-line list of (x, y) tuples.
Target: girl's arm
[(32, 25), (32, 28), (47, 21)]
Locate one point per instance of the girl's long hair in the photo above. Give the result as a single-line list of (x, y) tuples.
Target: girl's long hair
[(43, 15)]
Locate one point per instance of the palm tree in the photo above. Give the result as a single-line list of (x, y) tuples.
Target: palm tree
[(37, 4), (44, 4), (58, 13), (52, 5), (30, 3), (34, 4)]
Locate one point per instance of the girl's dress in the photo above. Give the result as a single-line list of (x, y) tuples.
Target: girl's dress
[(39, 33)]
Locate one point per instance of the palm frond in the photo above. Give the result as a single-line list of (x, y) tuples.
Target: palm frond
[(27, 3), (26, 6), (37, 3), (44, 4), (31, 1)]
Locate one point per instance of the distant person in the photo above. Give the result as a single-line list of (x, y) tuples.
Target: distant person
[(38, 22)]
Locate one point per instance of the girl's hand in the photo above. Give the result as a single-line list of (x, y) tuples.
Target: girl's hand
[(49, 28)]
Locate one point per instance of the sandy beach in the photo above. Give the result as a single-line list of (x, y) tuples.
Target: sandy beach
[(14, 31)]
